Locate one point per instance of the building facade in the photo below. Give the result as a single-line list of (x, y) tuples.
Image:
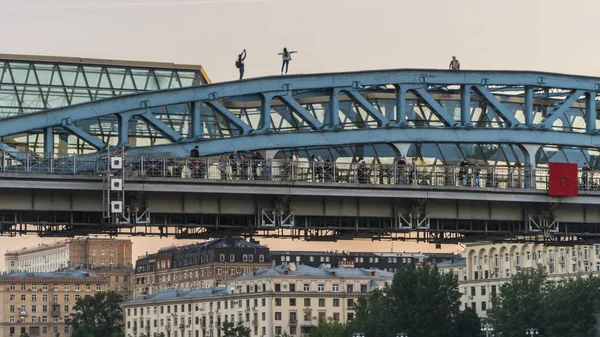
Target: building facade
[(366, 260), (201, 265), (282, 299), (110, 258), (41, 304), (89, 253), (485, 267)]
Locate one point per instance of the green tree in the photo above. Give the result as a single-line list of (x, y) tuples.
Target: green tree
[(156, 334), (330, 330), (467, 323), (99, 315), (420, 301), (520, 303), (231, 330)]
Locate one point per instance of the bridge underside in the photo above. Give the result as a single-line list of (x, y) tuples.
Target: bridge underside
[(49, 206)]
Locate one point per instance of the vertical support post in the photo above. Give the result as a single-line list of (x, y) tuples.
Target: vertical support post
[(123, 128), (48, 140), (196, 120), (530, 164), (332, 119), (465, 105), (401, 108), (265, 113), (590, 111), (528, 106)]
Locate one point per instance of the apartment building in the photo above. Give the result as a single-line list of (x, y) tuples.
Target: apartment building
[(484, 267), (89, 253), (41, 304), (282, 299), (201, 265), (110, 258), (392, 261)]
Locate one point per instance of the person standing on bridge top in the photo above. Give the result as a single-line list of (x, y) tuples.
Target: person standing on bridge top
[(287, 57), (240, 63), (454, 64)]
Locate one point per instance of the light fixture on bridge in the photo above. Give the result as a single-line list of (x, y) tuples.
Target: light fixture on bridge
[(531, 331), (116, 184), (116, 163), (116, 207)]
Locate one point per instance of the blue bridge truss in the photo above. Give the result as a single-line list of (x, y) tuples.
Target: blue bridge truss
[(397, 107)]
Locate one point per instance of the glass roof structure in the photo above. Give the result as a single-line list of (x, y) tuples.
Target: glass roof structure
[(29, 84)]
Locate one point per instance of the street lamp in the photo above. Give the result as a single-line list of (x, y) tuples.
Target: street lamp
[(487, 328), (531, 331), (358, 334), (402, 334)]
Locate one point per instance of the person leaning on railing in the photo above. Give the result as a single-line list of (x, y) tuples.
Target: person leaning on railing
[(585, 171)]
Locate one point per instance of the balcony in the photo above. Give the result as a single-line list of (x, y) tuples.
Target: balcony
[(293, 321), (23, 313), (55, 313)]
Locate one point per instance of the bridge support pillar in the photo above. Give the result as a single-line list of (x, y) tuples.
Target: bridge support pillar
[(530, 164), (48, 140), (528, 106), (196, 120), (465, 105), (402, 148), (590, 112)]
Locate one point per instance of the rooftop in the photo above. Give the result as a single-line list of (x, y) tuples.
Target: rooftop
[(44, 246), (77, 274), (321, 272), (180, 294), (457, 262)]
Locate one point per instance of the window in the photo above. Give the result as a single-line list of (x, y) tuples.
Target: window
[(293, 287), (261, 258), (307, 302), (245, 258), (55, 298), (33, 308), (55, 287), (335, 288), (112, 252), (277, 287), (278, 302), (483, 306), (250, 258), (336, 316), (292, 302), (66, 298), (321, 302), (98, 287), (363, 288), (321, 288), (232, 257), (222, 257), (34, 287), (12, 297), (77, 287), (23, 287), (44, 287), (88, 287), (483, 290), (306, 287), (11, 287), (278, 316), (23, 298), (93, 252), (336, 302), (67, 287), (350, 302)]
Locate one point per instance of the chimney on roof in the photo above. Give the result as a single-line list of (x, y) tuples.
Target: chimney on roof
[(372, 273), (286, 272), (292, 266), (333, 273)]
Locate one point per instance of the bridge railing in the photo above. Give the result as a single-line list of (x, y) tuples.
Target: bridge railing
[(288, 171)]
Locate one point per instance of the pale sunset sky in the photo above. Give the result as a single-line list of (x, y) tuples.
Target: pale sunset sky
[(329, 35)]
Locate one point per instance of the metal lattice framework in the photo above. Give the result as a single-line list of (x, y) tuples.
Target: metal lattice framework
[(30, 84), (398, 107)]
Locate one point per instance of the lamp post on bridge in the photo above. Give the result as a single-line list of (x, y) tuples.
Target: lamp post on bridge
[(487, 328), (531, 331), (358, 334), (402, 334)]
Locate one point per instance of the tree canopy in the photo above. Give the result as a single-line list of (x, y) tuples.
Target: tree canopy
[(99, 315), (231, 330), (565, 307), (420, 302)]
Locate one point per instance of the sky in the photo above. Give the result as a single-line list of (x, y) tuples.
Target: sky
[(329, 35)]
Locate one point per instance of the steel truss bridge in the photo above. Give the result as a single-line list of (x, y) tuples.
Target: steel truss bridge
[(400, 108)]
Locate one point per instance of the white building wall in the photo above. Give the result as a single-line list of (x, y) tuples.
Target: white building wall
[(488, 266)]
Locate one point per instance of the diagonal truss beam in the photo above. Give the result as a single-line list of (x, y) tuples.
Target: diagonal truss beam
[(161, 126), (301, 111), (68, 125), (369, 108), (233, 119), (560, 110), (436, 107), (498, 107)]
